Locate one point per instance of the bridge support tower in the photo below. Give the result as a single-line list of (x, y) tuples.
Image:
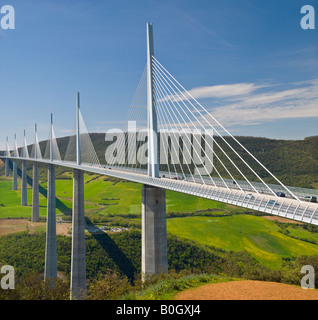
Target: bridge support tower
[(78, 261), (24, 190), (6, 167), (35, 189), (15, 166), (50, 272), (154, 231), (15, 175), (35, 193)]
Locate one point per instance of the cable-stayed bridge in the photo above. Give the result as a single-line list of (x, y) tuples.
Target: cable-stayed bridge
[(171, 142)]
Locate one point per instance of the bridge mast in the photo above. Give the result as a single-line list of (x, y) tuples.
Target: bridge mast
[(78, 260), (78, 141), (6, 161), (153, 164), (35, 141), (51, 138), (154, 230)]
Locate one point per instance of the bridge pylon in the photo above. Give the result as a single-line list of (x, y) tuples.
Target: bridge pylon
[(78, 260), (154, 230), (153, 163), (35, 186), (50, 272)]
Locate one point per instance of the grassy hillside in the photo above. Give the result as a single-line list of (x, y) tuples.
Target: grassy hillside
[(206, 222), (261, 238), (120, 252), (294, 162), (103, 197), (114, 262)]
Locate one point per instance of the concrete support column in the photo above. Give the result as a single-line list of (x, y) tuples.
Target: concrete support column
[(35, 193), (50, 252), (154, 231), (6, 167), (78, 262), (15, 175), (24, 198)]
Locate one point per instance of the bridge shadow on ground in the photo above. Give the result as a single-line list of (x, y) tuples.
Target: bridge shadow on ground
[(114, 252), (59, 204), (105, 241)]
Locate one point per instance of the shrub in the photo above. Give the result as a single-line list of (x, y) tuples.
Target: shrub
[(109, 286)]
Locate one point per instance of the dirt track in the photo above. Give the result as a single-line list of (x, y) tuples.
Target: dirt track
[(248, 290), (17, 225)]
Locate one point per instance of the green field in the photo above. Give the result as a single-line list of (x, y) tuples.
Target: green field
[(258, 236), (101, 196), (10, 201), (225, 227)]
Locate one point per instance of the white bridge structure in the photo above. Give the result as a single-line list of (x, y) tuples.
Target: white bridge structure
[(181, 147)]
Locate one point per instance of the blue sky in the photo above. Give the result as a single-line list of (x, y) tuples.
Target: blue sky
[(249, 61)]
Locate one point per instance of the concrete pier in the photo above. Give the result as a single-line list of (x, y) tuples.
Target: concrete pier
[(50, 271), (154, 231), (78, 261), (6, 167), (15, 175), (24, 191), (35, 193)]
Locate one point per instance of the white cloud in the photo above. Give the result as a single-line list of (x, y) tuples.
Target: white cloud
[(296, 102), (245, 105), (217, 91), (223, 91)]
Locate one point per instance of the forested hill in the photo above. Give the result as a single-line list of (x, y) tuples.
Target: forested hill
[(294, 162)]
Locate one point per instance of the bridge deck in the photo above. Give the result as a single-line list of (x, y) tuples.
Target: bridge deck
[(268, 203)]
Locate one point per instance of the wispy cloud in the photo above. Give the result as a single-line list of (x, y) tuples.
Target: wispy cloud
[(224, 91), (217, 91), (245, 105)]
